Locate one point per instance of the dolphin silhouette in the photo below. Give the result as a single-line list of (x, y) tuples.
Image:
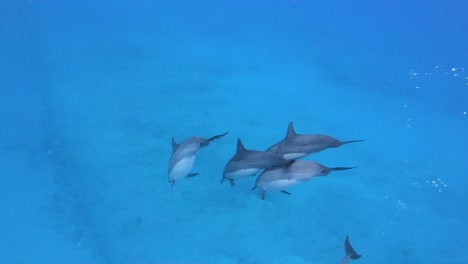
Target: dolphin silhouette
[(295, 145), (279, 178), (247, 163), (183, 156)]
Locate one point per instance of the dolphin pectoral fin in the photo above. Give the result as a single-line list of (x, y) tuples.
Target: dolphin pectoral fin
[(349, 250), (222, 180), (232, 182), (255, 187), (217, 136), (342, 168), (190, 175), (285, 192)]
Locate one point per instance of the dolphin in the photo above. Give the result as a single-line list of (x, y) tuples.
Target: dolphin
[(247, 163), (350, 253), (279, 178), (183, 156), (296, 146)]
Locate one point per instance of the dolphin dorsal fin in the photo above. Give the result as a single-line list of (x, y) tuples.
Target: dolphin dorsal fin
[(174, 144), (291, 131), (279, 152), (240, 146)]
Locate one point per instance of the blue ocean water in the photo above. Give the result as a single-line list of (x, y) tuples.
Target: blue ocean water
[(93, 91)]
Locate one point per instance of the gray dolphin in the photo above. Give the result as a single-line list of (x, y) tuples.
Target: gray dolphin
[(279, 178), (295, 145), (247, 163), (350, 253), (183, 156)]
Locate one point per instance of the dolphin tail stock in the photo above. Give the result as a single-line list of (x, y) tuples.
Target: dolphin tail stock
[(349, 250), (342, 168), (352, 141)]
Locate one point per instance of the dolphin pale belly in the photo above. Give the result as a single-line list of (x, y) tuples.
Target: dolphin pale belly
[(246, 163), (349, 251), (295, 145), (183, 156), (280, 178)]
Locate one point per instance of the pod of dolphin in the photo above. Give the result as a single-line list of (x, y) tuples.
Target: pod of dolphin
[(278, 165)]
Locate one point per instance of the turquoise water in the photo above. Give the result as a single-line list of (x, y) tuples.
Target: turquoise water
[(93, 91)]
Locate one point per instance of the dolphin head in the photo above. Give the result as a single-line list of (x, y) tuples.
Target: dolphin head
[(197, 142), (203, 142), (324, 171)]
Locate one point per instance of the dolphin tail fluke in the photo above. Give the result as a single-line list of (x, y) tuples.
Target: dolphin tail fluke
[(285, 192), (190, 175), (349, 250), (342, 168), (351, 141)]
